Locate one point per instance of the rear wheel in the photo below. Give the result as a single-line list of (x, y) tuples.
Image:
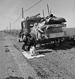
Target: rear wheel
[(25, 47)]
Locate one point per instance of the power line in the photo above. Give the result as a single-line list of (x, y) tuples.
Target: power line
[(33, 5), (17, 19), (27, 10)]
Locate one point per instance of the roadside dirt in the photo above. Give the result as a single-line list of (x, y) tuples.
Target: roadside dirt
[(57, 63), (12, 62)]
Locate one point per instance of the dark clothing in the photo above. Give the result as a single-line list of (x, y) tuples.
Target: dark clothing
[(29, 41), (25, 28)]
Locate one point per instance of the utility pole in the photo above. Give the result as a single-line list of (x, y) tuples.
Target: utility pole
[(10, 27), (22, 13), (43, 13), (48, 9)]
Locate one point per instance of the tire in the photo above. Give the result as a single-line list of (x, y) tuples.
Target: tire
[(24, 47)]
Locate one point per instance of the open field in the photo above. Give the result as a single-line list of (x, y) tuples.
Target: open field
[(69, 31), (57, 64)]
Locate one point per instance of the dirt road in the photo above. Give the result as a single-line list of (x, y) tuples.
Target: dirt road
[(12, 62), (57, 64)]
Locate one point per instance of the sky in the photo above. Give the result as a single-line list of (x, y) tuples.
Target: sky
[(10, 11)]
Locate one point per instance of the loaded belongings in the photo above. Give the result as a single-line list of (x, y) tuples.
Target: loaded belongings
[(55, 20)]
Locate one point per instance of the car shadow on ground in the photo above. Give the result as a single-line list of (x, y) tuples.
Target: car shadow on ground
[(45, 48), (44, 51)]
